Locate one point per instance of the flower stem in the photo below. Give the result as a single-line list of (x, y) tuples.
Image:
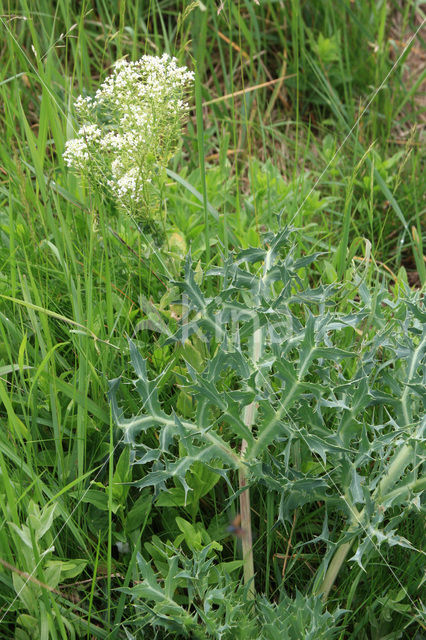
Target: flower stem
[(247, 539)]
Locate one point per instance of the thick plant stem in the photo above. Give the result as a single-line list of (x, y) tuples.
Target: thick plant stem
[(395, 471), (334, 568), (247, 536), (339, 557)]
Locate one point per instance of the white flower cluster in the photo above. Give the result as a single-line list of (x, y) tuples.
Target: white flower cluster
[(131, 127)]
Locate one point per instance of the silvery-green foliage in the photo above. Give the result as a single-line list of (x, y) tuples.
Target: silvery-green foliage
[(339, 392), (195, 599), (304, 617)]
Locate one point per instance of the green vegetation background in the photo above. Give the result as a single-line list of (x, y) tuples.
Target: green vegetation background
[(279, 88)]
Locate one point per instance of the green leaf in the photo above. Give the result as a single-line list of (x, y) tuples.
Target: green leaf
[(98, 499), (137, 514), (68, 569)]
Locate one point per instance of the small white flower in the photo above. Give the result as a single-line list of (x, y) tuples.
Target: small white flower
[(76, 153), (90, 132)]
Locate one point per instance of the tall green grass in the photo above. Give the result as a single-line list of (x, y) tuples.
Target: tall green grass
[(77, 278)]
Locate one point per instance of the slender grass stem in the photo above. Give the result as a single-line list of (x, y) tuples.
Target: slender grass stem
[(200, 141)]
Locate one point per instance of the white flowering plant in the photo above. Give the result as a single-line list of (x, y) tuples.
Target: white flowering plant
[(129, 130)]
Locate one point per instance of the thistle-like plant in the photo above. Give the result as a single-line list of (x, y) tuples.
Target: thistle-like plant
[(335, 378), (129, 130), (216, 607)]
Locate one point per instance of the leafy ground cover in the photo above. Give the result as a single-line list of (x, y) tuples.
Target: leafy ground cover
[(259, 323)]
